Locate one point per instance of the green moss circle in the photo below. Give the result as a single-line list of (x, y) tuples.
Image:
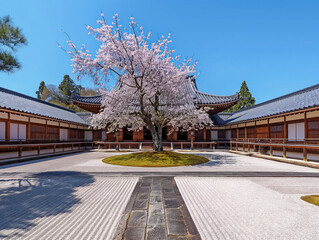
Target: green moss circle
[(313, 199), (156, 159)]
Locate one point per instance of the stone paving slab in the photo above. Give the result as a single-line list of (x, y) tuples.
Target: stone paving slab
[(162, 218)]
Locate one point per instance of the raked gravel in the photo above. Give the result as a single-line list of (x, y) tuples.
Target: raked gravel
[(77, 207), (251, 208)]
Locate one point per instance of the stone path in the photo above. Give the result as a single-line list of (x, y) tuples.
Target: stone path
[(156, 210)]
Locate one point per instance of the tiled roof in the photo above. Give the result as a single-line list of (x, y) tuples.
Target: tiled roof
[(220, 118), (199, 97), (209, 99), (19, 102), (86, 116), (89, 100), (302, 99)]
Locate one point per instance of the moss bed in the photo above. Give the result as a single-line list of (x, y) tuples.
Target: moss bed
[(155, 159), (313, 199)]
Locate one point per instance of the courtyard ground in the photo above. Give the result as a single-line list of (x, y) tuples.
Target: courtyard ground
[(79, 197)]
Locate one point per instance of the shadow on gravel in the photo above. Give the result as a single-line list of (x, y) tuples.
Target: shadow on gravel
[(40, 195), (44, 159), (217, 160)]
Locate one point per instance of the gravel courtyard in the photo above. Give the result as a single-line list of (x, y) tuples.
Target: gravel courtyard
[(79, 197)]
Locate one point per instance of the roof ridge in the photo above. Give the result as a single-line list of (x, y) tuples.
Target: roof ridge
[(77, 95), (233, 95), (280, 98), (5, 90)]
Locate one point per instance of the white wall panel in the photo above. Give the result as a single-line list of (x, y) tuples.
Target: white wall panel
[(296, 131), (14, 131), (228, 135), (22, 131), (88, 135), (2, 131), (300, 131), (63, 134), (214, 135)]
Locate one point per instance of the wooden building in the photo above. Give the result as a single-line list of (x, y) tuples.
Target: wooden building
[(215, 102), (284, 126), (27, 119)]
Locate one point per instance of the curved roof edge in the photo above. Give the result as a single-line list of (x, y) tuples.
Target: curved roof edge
[(200, 98)]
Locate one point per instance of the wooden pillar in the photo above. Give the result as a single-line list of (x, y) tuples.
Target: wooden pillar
[(28, 129), (284, 152), (20, 151), (249, 148), (268, 129), (305, 154), (46, 130), (285, 128), (8, 130), (306, 125), (237, 132), (58, 133), (204, 134), (271, 151), (246, 133), (236, 146)]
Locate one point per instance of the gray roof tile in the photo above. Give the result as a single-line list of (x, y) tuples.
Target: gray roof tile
[(302, 99), (199, 97), (19, 102)]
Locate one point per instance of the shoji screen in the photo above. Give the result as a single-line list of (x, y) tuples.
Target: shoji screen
[(214, 135), (228, 134), (88, 135), (296, 131), (2, 131), (14, 131), (22, 131), (63, 134)]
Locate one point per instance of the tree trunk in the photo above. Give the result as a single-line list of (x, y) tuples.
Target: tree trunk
[(157, 138)]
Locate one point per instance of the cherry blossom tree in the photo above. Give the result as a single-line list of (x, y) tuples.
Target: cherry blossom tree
[(152, 89)]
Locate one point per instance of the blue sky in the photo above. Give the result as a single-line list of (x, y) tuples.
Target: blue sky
[(273, 45)]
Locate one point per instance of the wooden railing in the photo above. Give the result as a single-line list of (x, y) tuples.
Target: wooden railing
[(141, 145), (9, 151), (304, 145)]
